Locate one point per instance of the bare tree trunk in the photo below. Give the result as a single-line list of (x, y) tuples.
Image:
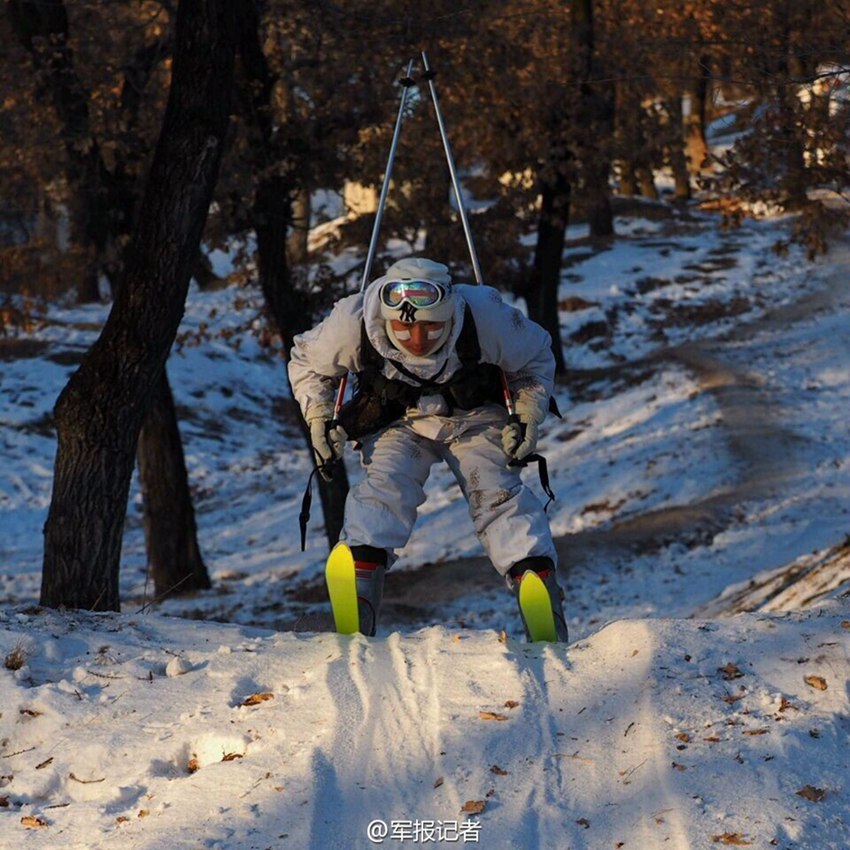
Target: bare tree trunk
[(542, 297), (171, 535), (105, 207), (272, 216), (646, 181), (676, 149), (788, 138), (299, 228), (628, 178), (696, 146), (596, 113), (99, 414)]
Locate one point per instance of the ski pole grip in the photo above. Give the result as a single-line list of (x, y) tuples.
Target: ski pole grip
[(513, 419)]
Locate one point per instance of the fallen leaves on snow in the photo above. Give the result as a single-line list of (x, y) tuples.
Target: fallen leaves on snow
[(809, 792), (491, 715), (32, 822), (734, 839), (817, 682), (474, 807), (730, 671), (257, 699)]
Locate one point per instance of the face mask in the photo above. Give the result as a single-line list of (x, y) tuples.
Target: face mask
[(436, 337)]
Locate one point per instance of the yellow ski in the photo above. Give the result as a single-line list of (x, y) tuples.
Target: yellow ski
[(342, 589), (536, 607)]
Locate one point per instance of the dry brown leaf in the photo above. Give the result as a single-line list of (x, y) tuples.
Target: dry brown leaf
[(143, 813), (583, 822), (845, 624), (684, 737), (438, 781), (498, 770), (4, 802), (194, 765), (817, 682), (756, 731), (677, 766), (257, 699), (474, 807), (122, 819), (712, 739), (730, 671), (490, 715), (232, 756), (733, 838), (32, 822), (812, 793), (511, 703)]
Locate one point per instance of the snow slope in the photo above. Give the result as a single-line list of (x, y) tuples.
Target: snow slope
[(148, 732), (703, 452)]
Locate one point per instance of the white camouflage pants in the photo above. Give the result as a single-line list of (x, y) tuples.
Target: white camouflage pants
[(506, 515)]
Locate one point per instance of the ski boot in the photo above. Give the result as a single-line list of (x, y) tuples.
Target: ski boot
[(540, 602), (370, 565)]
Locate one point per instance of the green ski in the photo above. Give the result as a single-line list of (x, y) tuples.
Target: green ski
[(341, 581), (536, 607)]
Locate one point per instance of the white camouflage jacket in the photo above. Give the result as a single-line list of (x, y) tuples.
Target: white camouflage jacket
[(322, 356)]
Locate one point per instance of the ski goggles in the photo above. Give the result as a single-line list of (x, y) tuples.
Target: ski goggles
[(419, 293)]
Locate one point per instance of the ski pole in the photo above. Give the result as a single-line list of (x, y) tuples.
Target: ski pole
[(429, 75), (406, 83)]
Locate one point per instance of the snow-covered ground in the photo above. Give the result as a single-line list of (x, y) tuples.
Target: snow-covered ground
[(153, 732), (704, 448)]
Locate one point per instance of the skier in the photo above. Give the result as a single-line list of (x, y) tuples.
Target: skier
[(427, 355)]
